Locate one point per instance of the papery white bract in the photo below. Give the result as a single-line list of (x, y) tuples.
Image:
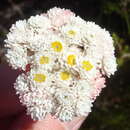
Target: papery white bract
[(65, 60)]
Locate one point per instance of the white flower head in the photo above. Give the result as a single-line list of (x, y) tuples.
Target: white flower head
[(17, 57), (70, 31), (39, 22), (83, 106), (65, 113), (39, 79), (84, 88), (38, 112), (64, 78), (17, 33), (44, 60), (87, 68), (21, 84), (72, 34), (65, 96)]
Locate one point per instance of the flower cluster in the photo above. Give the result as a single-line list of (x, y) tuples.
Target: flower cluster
[(64, 59)]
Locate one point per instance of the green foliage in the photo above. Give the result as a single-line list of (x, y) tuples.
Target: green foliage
[(121, 9), (111, 7), (123, 50)]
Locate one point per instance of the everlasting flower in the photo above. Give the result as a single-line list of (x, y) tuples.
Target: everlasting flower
[(64, 60), (17, 60), (59, 16), (39, 22), (65, 113)]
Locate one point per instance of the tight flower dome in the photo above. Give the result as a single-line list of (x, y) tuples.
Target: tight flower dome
[(67, 58)]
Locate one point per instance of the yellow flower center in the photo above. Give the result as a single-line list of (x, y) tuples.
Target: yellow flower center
[(57, 46), (65, 75), (44, 60), (72, 32), (87, 65), (71, 60), (39, 78)]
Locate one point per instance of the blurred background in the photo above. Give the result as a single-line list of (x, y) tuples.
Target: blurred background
[(111, 110)]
